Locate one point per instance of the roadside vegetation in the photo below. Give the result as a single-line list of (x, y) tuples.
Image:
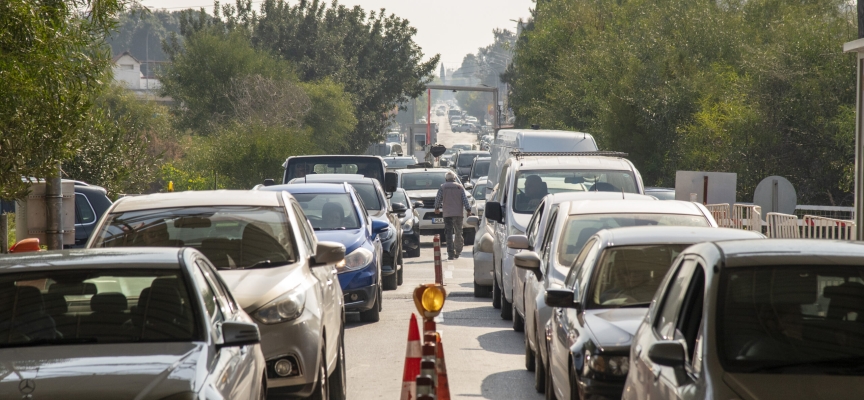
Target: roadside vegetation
[(757, 88)]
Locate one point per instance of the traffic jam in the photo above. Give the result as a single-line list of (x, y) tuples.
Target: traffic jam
[(618, 291)]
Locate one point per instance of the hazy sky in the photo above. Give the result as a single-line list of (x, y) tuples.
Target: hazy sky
[(451, 28)]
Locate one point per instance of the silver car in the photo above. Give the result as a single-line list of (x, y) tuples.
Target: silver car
[(264, 248), (144, 324), (763, 319)]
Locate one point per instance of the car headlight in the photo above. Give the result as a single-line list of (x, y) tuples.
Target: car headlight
[(408, 225), (284, 308), (608, 365), (357, 259)]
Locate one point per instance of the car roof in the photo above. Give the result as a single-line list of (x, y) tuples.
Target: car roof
[(416, 170), (671, 234), (558, 198), (398, 157), (574, 162), (108, 258), (301, 187), (659, 189), (333, 178), (482, 179), (634, 207), (198, 198), (483, 158), (469, 152), (740, 253)]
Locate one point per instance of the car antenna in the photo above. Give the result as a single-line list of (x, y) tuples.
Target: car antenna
[(622, 194)]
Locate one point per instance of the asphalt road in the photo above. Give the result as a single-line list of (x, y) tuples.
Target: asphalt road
[(484, 356)]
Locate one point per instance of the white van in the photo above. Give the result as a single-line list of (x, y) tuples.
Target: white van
[(522, 183), (534, 140)]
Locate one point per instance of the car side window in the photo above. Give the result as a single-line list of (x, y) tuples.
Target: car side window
[(664, 324), (577, 264), (84, 213), (223, 294), (687, 328), (208, 295), (534, 224), (305, 233), (547, 236), (502, 184)]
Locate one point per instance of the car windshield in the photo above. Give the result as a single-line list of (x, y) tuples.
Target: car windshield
[(661, 194), (481, 168), (232, 237), (393, 137), (630, 275), (578, 228), (479, 192), (395, 163), (792, 319), (369, 193), (370, 167), (399, 197), (423, 180), (329, 211), (84, 306), (465, 160), (532, 186)]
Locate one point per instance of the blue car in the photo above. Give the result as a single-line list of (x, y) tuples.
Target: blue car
[(337, 215)]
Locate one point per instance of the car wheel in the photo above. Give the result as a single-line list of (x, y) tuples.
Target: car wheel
[(539, 370), (399, 279), (390, 282), (480, 290), (374, 313), (468, 235), (529, 356), (549, 386), (506, 308), (338, 380), (518, 321), (322, 388), (413, 253), (496, 293)]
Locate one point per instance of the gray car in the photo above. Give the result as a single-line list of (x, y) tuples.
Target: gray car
[(766, 319), (144, 324), (265, 249)]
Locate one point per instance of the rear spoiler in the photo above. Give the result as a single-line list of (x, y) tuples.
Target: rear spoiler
[(522, 154)]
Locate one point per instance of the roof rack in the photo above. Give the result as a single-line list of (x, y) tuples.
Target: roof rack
[(522, 154)]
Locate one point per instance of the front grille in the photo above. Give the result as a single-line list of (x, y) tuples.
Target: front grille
[(429, 203)]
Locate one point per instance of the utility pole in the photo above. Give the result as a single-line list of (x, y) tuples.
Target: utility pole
[(54, 203)]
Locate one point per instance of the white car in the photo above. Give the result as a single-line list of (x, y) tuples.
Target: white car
[(264, 248), (422, 185)]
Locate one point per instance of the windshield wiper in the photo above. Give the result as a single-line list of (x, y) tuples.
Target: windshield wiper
[(852, 364), (267, 264), (44, 342), (341, 228)]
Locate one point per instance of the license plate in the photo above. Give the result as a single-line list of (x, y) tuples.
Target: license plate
[(437, 220)]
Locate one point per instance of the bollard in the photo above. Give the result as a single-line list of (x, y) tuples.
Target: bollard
[(424, 388), (439, 275)]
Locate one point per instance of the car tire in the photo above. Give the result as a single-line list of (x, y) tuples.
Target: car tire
[(518, 322), (506, 309), (373, 314), (496, 293), (539, 370), (529, 356), (468, 235), (399, 279), (322, 387), (390, 282), (339, 379), (480, 290), (549, 390)]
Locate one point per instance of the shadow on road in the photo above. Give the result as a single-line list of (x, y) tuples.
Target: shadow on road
[(516, 384), (503, 341)]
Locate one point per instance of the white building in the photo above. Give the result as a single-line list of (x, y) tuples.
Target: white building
[(127, 70)]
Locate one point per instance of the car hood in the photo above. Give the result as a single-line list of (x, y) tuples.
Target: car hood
[(614, 327), (119, 371), (257, 287), (793, 386), (351, 239), (422, 194)]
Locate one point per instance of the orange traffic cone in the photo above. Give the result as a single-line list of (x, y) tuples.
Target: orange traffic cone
[(413, 353), (443, 390)]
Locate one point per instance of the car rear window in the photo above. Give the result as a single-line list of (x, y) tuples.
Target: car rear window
[(329, 211), (369, 194), (81, 306)]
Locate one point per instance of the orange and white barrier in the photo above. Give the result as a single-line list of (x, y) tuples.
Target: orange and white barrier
[(782, 226), (814, 227), (413, 354), (439, 274), (443, 389)]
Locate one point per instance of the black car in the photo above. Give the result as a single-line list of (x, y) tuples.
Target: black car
[(91, 202), (410, 222), (464, 160)]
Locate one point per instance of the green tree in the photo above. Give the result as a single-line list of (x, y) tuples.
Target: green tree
[(52, 65)]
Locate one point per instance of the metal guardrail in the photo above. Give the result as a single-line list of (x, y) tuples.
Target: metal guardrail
[(747, 216), (720, 212), (522, 154), (815, 227), (782, 226)]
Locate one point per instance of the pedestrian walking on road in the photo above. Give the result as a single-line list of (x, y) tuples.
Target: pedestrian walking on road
[(452, 196)]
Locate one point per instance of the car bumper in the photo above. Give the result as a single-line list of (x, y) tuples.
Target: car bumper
[(410, 239), (483, 268), (427, 226), (360, 299), (299, 341), (597, 389)]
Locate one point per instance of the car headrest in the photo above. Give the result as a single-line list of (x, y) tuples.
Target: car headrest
[(848, 290), (109, 303), (29, 299), (55, 304)]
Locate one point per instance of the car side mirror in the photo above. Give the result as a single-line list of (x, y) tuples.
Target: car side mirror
[(493, 212), (269, 182), (417, 204), (329, 253), (25, 245), (237, 334), (391, 182), (670, 353), (379, 227), (564, 298), (398, 208), (518, 242), (528, 260), (464, 178), (468, 185), (473, 221)]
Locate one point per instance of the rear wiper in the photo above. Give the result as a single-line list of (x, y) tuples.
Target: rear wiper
[(267, 264), (44, 342)]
